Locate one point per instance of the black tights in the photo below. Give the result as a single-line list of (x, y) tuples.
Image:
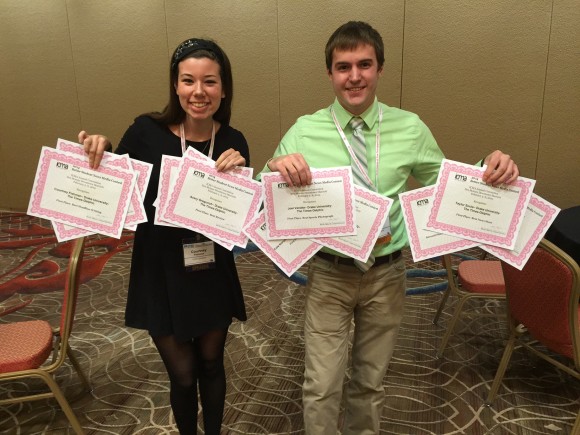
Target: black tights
[(187, 362)]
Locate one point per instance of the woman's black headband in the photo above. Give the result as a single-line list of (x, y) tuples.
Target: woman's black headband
[(194, 44)]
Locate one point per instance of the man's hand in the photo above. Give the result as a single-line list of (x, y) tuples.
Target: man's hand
[(293, 169), (500, 169), (95, 145)]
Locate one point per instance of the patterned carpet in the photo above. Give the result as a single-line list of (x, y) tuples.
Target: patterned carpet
[(264, 359)]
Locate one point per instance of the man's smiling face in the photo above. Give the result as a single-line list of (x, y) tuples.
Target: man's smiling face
[(354, 75)]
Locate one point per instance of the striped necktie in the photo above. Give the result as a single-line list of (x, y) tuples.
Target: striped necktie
[(360, 151)]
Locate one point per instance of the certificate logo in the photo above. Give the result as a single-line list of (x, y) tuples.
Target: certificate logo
[(61, 165), (422, 202), (282, 185), (199, 174), (460, 177)]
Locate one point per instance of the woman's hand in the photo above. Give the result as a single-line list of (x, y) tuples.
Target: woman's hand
[(95, 145), (229, 160)]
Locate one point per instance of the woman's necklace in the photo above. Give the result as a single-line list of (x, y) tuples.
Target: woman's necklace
[(205, 146), (209, 142)]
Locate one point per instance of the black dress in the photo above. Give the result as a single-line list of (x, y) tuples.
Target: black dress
[(163, 297)]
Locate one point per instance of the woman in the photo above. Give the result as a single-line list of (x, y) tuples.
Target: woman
[(187, 313)]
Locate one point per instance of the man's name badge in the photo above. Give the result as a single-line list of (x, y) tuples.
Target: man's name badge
[(385, 234)]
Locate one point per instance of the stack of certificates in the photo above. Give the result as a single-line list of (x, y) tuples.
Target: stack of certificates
[(225, 207), (80, 201), (332, 211), (459, 212), (191, 194)]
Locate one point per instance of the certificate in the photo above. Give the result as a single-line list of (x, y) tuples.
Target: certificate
[(238, 170), (167, 174), (464, 206), (325, 208), (136, 213), (143, 170), (538, 217), (424, 244), (372, 211), (288, 254), (214, 203), (66, 190)]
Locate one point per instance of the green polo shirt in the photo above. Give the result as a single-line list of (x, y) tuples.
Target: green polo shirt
[(407, 149)]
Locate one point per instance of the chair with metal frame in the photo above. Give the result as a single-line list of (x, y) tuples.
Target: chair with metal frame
[(472, 279), (27, 346), (542, 306), (576, 427)]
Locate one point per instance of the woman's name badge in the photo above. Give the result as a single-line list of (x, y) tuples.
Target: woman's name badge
[(385, 234), (198, 253)]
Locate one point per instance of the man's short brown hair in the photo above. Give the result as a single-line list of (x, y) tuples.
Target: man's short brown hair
[(352, 34)]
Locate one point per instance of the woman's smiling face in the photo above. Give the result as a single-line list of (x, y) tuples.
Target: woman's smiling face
[(199, 87)]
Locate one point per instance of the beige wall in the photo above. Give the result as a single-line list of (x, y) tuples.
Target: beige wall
[(482, 74)]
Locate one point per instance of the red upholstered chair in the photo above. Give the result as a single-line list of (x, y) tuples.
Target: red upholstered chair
[(542, 303), (26, 346), (473, 279)]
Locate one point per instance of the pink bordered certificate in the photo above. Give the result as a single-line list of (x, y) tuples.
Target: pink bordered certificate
[(424, 244), (538, 217), (288, 254), (217, 204), (464, 206), (238, 170), (136, 212), (66, 190), (167, 175), (372, 211), (324, 208)]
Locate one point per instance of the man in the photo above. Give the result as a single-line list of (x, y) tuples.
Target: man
[(398, 145)]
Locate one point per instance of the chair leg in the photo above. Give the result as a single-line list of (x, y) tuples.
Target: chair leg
[(576, 428), (78, 368), (442, 304), (505, 359), (59, 396), (451, 326)]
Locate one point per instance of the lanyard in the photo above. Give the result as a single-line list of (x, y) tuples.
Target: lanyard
[(182, 135), (375, 185)]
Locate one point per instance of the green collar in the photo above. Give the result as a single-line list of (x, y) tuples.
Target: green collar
[(369, 116)]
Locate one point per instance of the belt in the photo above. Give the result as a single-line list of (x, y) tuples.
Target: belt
[(347, 261)]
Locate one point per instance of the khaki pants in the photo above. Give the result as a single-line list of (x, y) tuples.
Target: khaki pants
[(334, 294)]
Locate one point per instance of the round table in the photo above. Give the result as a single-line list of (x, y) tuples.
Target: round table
[(565, 232)]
